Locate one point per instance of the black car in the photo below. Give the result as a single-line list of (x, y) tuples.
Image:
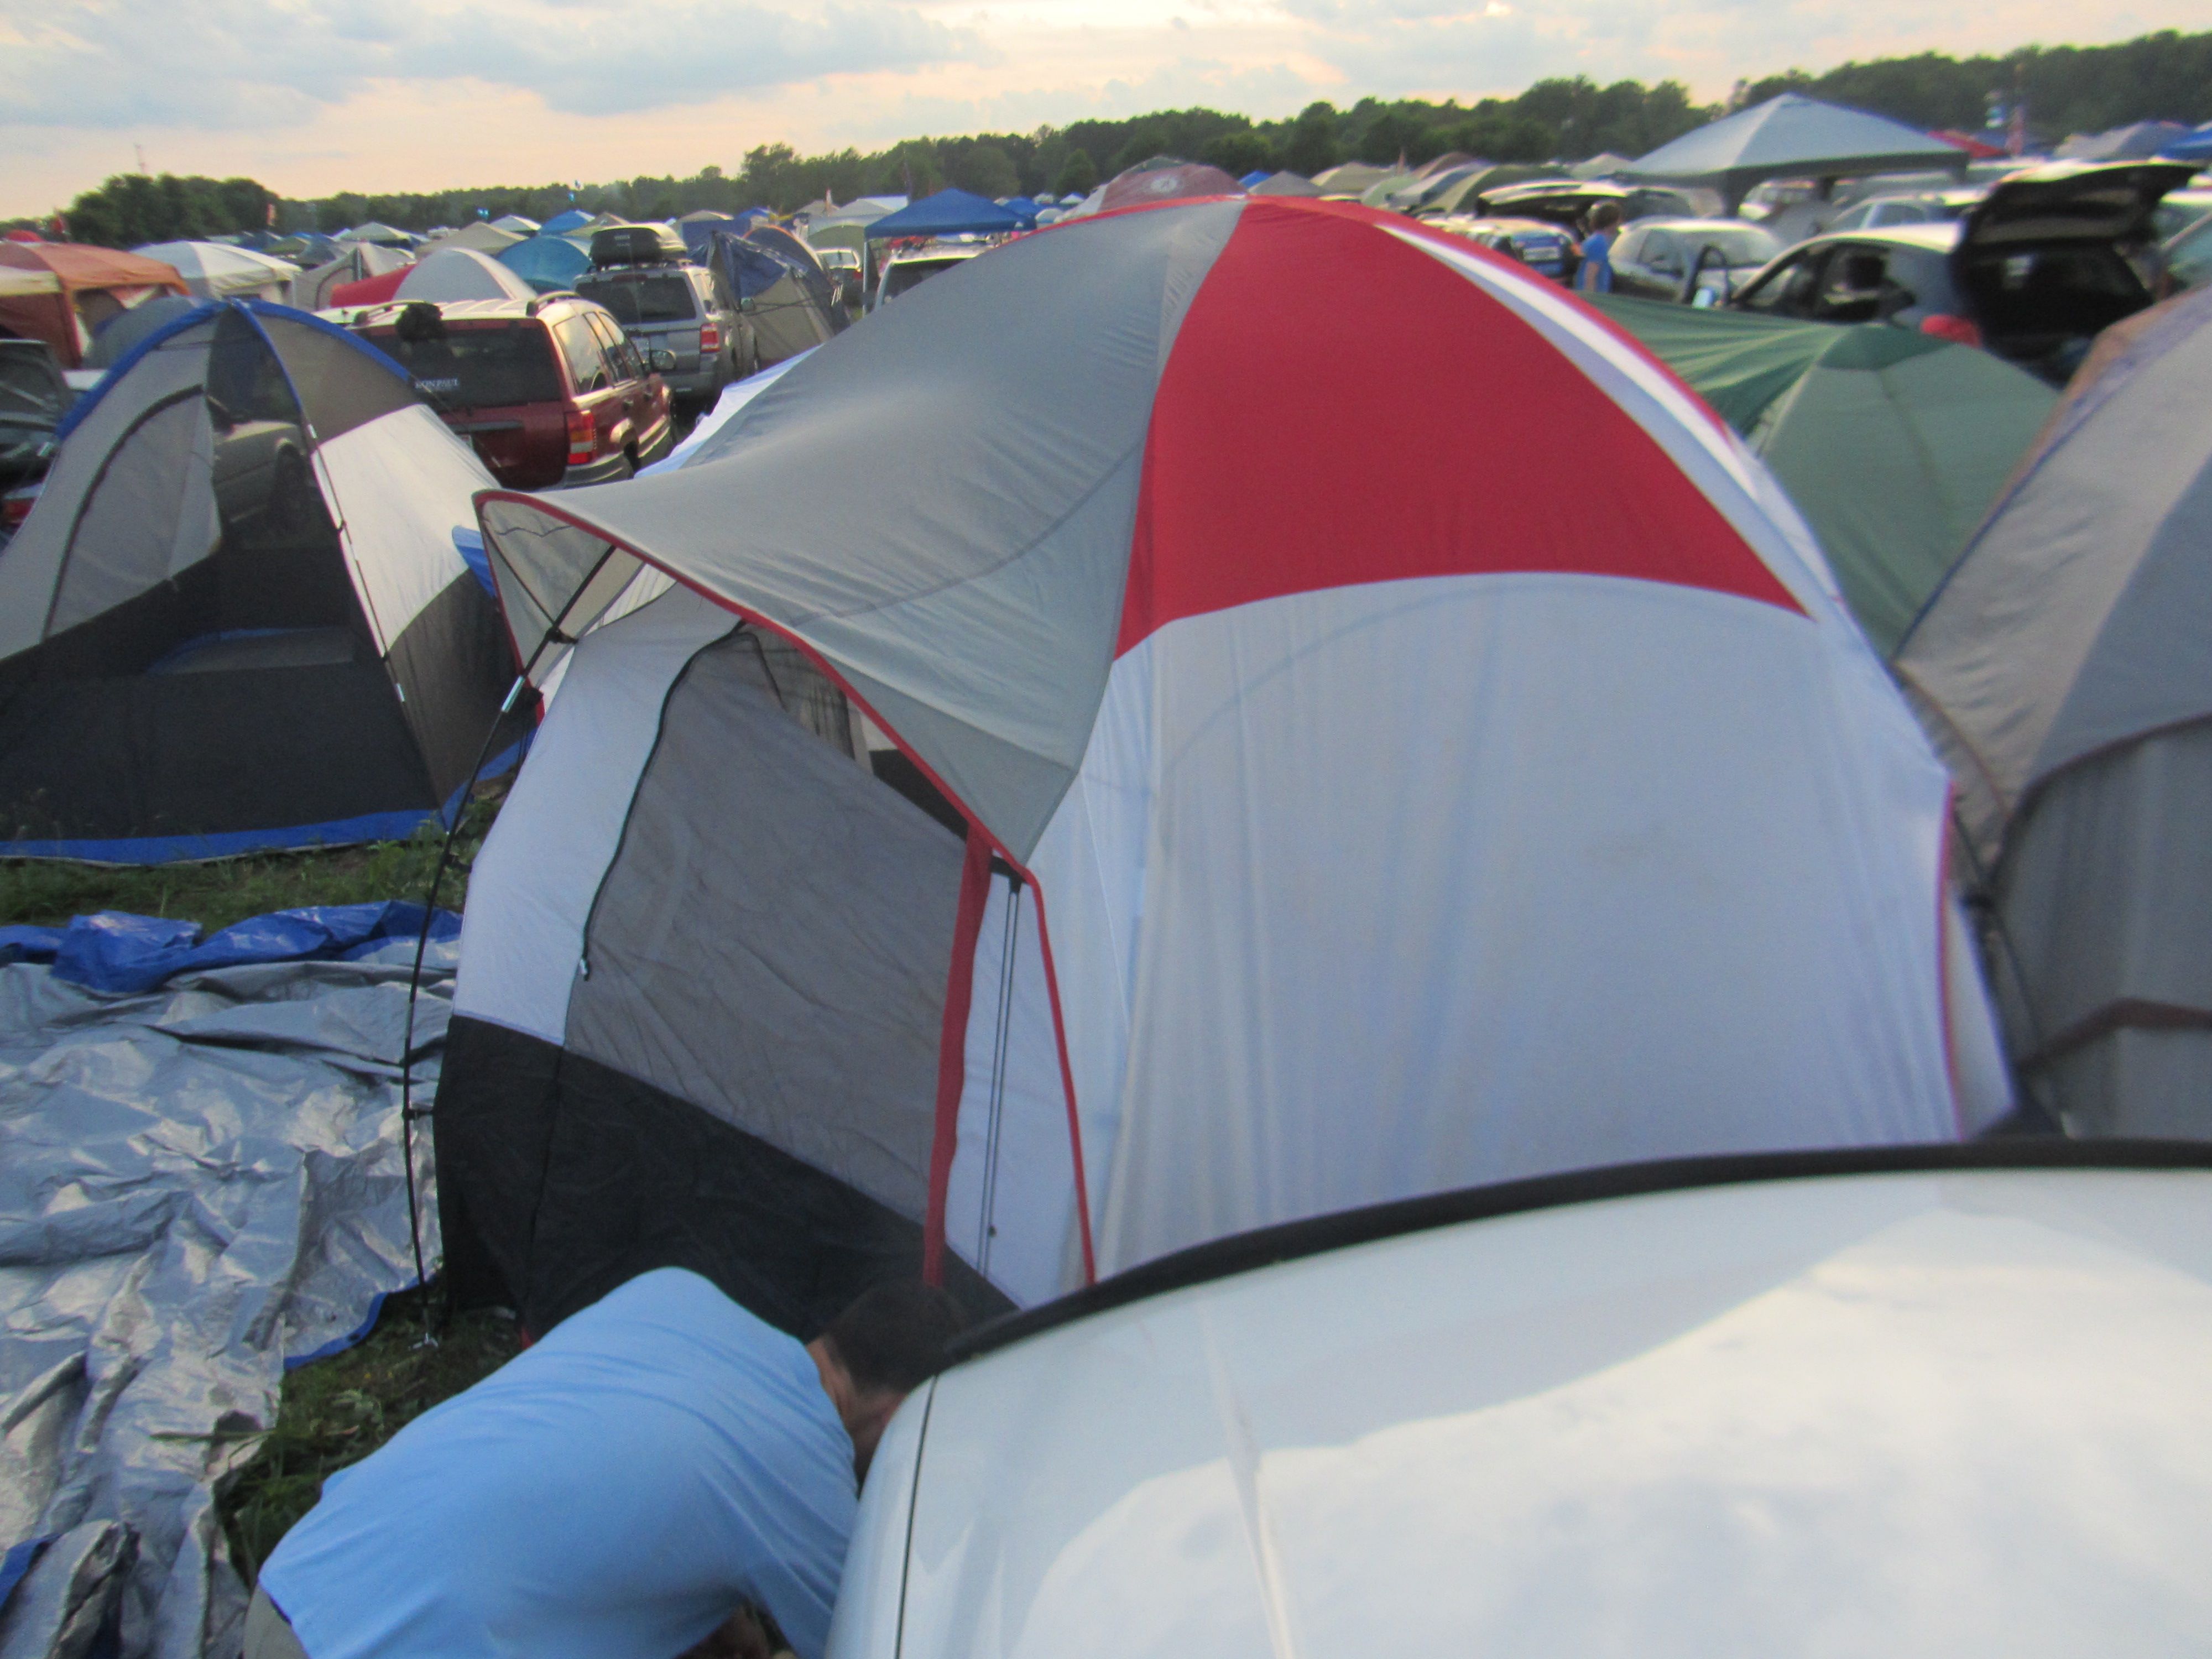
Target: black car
[(2039, 266)]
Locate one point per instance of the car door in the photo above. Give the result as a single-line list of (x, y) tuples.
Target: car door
[(642, 394), (599, 391), (1661, 266), (1791, 286)]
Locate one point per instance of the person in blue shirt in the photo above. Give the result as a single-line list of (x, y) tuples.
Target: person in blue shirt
[(618, 1490), (1595, 274)]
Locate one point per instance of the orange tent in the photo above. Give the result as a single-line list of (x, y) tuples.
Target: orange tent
[(84, 287)]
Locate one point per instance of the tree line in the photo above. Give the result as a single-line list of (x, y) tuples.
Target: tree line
[(2067, 90)]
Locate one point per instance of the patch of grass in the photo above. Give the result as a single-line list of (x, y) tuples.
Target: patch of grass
[(338, 1410), (224, 890)]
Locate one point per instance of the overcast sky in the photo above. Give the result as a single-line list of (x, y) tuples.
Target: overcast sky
[(313, 96)]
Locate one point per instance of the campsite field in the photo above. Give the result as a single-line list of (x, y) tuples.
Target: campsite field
[(225, 890), (336, 1411)]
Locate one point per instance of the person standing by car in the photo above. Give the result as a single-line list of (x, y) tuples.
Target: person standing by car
[(615, 1491), (1595, 274)]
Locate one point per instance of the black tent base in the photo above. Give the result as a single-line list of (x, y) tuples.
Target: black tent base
[(560, 1178)]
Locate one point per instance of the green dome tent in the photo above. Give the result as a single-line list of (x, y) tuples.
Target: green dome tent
[(1892, 444)]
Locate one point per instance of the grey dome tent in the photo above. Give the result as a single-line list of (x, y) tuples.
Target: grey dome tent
[(1791, 136), (237, 618), (2063, 670)]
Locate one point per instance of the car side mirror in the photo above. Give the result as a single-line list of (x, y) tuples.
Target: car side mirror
[(745, 303)]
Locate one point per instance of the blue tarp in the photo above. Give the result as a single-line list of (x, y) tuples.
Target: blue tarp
[(2195, 147), (468, 542), (546, 262), (1257, 176), (948, 213), (117, 952), (561, 223)]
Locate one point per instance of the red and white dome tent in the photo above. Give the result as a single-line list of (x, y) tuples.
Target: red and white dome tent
[(1378, 732)]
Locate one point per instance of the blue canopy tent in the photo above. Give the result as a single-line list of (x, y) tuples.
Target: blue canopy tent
[(561, 223), (546, 262), (1024, 209), (948, 213), (2195, 147)]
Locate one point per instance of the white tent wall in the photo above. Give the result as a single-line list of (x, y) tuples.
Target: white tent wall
[(1010, 1207), (401, 481), (1692, 972)]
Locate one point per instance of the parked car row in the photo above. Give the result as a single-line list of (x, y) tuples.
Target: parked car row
[(2034, 270)]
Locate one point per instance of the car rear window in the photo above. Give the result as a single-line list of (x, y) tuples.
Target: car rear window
[(478, 367), (913, 273), (636, 300)]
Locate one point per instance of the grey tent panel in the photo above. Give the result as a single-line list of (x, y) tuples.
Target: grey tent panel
[(128, 527), (770, 942), (2152, 665), (2106, 901), (2013, 650), (915, 617), (335, 396)]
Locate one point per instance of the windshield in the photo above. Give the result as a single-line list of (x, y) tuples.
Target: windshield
[(31, 392), (913, 273), (478, 367), (1740, 244), (636, 300)]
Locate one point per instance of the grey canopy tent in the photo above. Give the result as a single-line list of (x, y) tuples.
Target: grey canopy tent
[(2062, 671), (1792, 137)]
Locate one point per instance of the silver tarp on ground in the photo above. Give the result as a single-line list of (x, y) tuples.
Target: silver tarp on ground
[(197, 1185)]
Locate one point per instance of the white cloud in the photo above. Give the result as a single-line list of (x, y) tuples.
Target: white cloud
[(248, 63)]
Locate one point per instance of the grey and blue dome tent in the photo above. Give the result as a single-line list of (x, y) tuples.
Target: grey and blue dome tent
[(237, 619)]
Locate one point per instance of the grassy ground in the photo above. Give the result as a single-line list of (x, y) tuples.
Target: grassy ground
[(338, 1410), (226, 890)]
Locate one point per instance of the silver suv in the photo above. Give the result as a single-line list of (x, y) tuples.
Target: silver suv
[(684, 309)]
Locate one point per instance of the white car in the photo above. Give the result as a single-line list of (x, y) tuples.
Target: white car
[(904, 272), (1931, 1402)]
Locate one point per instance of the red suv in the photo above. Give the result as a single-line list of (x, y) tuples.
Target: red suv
[(549, 390)]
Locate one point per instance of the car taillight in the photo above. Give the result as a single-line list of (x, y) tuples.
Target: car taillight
[(1944, 326), (710, 336), (583, 436), (16, 506)]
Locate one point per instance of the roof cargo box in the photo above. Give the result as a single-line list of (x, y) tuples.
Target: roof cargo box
[(636, 245)]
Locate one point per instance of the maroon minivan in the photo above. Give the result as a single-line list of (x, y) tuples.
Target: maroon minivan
[(549, 390)]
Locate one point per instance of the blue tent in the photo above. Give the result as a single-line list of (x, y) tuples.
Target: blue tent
[(948, 213), (1023, 209), (700, 229), (561, 223), (2195, 147), (1257, 176), (546, 262)]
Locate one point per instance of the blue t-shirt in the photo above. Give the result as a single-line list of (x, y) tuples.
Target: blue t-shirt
[(1597, 273), (612, 1492)]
